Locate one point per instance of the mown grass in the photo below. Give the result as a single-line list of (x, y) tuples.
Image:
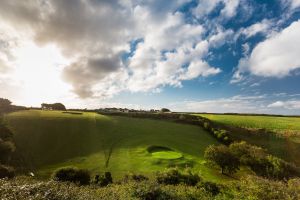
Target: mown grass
[(48, 140), (271, 123), (287, 147)]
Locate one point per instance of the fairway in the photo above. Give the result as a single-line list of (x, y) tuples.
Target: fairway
[(52, 139), (271, 123)]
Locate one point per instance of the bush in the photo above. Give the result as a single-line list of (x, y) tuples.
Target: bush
[(221, 156), (104, 180), (174, 177), (253, 187), (210, 187), (78, 176), (262, 163), (135, 177), (165, 110), (6, 172), (150, 192)]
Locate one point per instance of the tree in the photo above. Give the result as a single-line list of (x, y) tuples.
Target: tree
[(5, 105), (221, 156), (54, 106), (246, 152), (165, 110)]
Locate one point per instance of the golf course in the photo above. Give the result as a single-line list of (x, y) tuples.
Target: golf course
[(49, 140)]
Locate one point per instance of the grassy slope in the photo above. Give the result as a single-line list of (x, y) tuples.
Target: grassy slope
[(51, 139), (271, 123), (287, 148)]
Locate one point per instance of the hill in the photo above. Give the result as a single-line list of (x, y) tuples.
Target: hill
[(52, 139), (279, 134)]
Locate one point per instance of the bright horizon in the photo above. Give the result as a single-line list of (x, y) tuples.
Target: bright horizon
[(186, 55)]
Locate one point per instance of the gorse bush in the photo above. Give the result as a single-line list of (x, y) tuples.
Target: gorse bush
[(257, 159), (71, 174), (252, 187), (210, 187), (174, 177), (7, 145), (104, 180), (150, 192), (262, 163), (6, 171), (135, 177), (248, 188), (221, 156)]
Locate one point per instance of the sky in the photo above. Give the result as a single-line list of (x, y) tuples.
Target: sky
[(187, 55)]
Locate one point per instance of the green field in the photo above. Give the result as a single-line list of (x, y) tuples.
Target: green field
[(52, 139), (287, 147), (271, 123)]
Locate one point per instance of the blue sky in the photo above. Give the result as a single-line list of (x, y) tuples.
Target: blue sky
[(187, 55)]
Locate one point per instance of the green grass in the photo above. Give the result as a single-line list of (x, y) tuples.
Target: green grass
[(167, 155), (272, 123), (48, 140), (287, 147)]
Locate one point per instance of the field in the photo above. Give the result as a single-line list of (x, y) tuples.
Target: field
[(271, 123), (287, 147), (51, 139)]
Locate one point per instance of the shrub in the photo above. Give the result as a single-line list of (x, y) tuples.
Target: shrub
[(210, 187), (253, 187), (79, 176), (104, 180), (174, 177), (262, 163), (165, 110), (6, 149), (139, 177), (150, 192), (6, 172), (5, 132), (221, 156)]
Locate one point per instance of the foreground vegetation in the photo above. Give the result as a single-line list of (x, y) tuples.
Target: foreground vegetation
[(138, 155), (250, 188)]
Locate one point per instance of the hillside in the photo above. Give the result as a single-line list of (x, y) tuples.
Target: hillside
[(280, 135), (271, 123), (51, 139)]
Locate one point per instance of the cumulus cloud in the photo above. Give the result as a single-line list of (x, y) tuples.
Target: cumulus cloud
[(235, 104), (228, 10), (240, 104), (293, 4), (290, 104), (259, 27), (94, 35), (277, 56)]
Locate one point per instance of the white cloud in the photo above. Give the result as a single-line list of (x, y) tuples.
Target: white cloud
[(230, 8), (260, 27), (239, 104), (277, 56), (293, 4), (205, 7), (183, 46), (235, 104), (92, 36), (290, 104)]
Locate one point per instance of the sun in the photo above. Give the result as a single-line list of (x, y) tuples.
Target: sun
[(38, 73)]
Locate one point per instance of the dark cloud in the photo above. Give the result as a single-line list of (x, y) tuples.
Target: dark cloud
[(89, 71)]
